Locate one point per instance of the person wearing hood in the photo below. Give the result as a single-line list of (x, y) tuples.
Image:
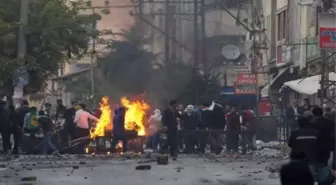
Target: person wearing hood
[(119, 133), (191, 121), (5, 127), (154, 123)]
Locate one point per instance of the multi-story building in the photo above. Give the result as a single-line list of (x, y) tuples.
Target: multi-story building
[(228, 44), (294, 35)]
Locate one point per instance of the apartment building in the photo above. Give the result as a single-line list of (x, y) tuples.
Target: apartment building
[(294, 32)]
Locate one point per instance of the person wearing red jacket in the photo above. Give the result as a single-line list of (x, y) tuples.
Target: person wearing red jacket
[(248, 129), (232, 129)]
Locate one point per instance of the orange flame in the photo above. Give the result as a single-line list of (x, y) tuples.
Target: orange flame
[(134, 117), (104, 120), (135, 114)]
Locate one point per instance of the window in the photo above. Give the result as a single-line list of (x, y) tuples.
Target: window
[(279, 55), (282, 25)]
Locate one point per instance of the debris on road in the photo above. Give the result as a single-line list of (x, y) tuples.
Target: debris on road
[(29, 179), (143, 167)]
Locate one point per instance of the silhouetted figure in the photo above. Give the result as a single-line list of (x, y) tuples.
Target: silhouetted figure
[(119, 132), (169, 121), (297, 171), (5, 127)]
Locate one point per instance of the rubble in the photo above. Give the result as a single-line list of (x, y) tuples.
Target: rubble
[(143, 167), (29, 179), (162, 159)]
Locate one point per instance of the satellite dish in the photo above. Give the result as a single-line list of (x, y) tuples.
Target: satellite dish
[(231, 52)]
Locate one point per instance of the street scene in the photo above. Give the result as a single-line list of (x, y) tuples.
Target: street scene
[(102, 169), (199, 92)]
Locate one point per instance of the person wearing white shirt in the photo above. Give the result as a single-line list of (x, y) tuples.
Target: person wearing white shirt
[(81, 121)]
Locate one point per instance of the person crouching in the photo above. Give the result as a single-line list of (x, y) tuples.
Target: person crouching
[(47, 127)]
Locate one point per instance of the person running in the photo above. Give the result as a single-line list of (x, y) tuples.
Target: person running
[(47, 128)]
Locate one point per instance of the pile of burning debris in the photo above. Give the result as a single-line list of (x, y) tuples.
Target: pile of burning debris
[(135, 119)]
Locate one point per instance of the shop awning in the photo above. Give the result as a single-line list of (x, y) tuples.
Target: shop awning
[(265, 90), (309, 85)]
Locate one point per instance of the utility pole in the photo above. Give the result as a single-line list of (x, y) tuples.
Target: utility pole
[(22, 42), (169, 36), (166, 37), (325, 67), (21, 72), (196, 50), (256, 47), (204, 39)]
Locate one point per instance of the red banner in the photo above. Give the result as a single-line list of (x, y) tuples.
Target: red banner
[(327, 38), (245, 84)]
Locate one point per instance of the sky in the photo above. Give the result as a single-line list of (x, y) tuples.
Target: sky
[(118, 19)]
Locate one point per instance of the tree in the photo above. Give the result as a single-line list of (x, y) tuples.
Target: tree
[(56, 32), (203, 88), (179, 80)]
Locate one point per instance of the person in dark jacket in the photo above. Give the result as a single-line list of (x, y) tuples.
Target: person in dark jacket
[(206, 118), (13, 119), (297, 171), (326, 141), (5, 127), (47, 127), (169, 121), (292, 114), (69, 125), (233, 129), (61, 109), (18, 124), (304, 140), (191, 121), (306, 105), (119, 133)]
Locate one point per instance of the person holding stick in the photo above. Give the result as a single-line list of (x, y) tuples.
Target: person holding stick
[(81, 120)]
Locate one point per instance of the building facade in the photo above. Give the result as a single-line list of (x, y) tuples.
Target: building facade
[(292, 30)]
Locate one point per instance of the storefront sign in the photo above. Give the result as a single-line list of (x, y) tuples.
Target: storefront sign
[(245, 84), (327, 39)]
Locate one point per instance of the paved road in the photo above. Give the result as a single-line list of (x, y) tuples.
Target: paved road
[(187, 170)]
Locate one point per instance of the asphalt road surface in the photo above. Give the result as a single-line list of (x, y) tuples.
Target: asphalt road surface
[(102, 170)]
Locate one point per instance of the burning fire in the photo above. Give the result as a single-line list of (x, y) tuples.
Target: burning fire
[(135, 114), (104, 120)]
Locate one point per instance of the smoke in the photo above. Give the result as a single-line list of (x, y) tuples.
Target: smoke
[(118, 18)]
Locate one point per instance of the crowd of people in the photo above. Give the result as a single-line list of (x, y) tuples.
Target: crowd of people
[(190, 129), (29, 121), (177, 128), (312, 140)]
